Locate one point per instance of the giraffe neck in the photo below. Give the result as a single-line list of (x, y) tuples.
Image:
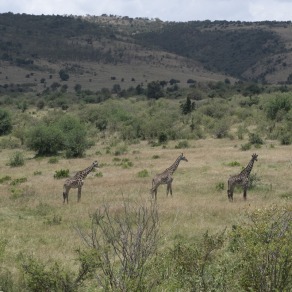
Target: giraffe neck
[(86, 171), (248, 169), (174, 166)]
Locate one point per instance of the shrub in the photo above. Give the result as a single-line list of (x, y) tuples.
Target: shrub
[(162, 137), (233, 163), (62, 173), (4, 179), (221, 129), (182, 145), (245, 147), (53, 160), (18, 181), (56, 220), (143, 173), (263, 248), (46, 140), (220, 186), (121, 244), (17, 159), (99, 174), (278, 106), (5, 122), (255, 139), (48, 277), (75, 138)]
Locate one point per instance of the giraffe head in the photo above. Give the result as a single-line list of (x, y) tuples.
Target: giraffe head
[(254, 157), (182, 157), (95, 164)]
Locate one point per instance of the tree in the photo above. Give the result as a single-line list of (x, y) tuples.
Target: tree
[(5, 122), (63, 75), (45, 139), (154, 90), (187, 107)]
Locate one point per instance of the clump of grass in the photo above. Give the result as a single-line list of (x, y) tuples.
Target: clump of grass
[(124, 163), (24, 193), (5, 178), (220, 186), (123, 149), (182, 144), (16, 159), (37, 172), (18, 181), (245, 147), (155, 157), (55, 220), (233, 163), (62, 173), (99, 174), (53, 160), (143, 173), (116, 159), (42, 209)]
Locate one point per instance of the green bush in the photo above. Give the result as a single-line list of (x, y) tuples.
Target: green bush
[(255, 139), (263, 248), (53, 160), (45, 139), (65, 133), (17, 159), (182, 145), (143, 173), (233, 163), (18, 181), (62, 173), (279, 106), (220, 186), (75, 136), (245, 147), (4, 179), (5, 122), (99, 174)]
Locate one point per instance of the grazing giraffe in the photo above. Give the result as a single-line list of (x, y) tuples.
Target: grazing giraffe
[(166, 177), (241, 179), (77, 181)]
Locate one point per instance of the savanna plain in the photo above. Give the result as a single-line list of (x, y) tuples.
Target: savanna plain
[(30, 207)]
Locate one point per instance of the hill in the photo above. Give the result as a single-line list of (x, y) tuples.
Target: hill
[(101, 51)]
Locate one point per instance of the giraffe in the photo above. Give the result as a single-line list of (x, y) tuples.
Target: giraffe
[(241, 179), (77, 181), (166, 177)]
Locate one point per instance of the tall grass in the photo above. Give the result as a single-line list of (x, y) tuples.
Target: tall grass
[(34, 220)]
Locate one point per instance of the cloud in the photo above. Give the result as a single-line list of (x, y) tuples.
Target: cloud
[(174, 10)]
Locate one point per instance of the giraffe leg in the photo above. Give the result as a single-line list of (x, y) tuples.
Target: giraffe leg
[(79, 194), (167, 189), (244, 193), (170, 188), (66, 194), (230, 193)]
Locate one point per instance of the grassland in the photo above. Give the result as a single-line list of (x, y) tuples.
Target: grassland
[(34, 221)]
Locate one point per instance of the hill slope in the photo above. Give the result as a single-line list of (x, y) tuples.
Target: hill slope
[(100, 51)]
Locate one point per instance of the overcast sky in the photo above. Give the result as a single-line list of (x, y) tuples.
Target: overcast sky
[(166, 10)]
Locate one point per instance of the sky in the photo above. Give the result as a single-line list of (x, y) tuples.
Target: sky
[(166, 10)]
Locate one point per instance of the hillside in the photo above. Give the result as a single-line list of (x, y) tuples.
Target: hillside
[(101, 51)]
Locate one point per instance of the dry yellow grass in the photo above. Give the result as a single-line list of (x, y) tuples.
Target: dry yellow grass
[(196, 205)]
